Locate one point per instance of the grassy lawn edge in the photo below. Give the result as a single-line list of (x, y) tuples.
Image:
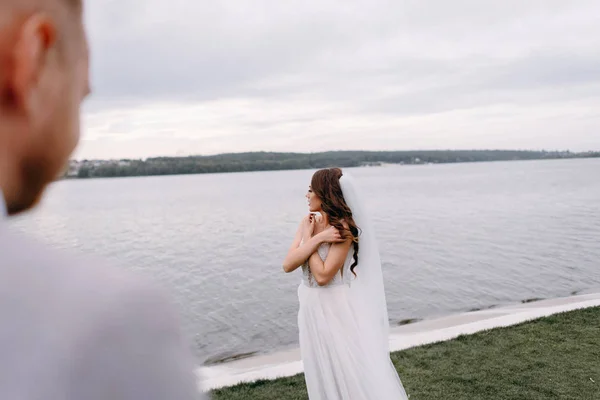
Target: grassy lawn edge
[(556, 357)]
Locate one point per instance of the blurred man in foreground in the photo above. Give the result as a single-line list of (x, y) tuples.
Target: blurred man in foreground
[(69, 328)]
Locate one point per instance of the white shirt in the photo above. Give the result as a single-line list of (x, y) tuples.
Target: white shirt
[(73, 329)]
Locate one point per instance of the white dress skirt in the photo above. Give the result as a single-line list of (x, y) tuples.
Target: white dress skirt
[(343, 354)]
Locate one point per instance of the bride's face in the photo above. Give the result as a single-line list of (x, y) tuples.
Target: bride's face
[(314, 202)]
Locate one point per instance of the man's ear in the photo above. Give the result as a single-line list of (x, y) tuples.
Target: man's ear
[(35, 39)]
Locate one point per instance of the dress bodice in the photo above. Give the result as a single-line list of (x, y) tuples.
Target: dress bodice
[(342, 277)]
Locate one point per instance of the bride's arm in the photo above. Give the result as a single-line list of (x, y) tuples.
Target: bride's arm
[(324, 271), (297, 254)]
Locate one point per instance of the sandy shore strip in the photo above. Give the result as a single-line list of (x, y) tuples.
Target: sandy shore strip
[(288, 363)]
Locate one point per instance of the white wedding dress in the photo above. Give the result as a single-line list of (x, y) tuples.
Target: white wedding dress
[(343, 325)]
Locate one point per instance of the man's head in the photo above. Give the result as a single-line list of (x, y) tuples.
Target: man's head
[(43, 80)]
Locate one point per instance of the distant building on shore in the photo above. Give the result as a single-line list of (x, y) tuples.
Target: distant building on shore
[(75, 166)]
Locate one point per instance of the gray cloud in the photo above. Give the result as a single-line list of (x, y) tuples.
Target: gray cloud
[(247, 70)]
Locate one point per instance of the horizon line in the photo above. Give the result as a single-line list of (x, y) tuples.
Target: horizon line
[(336, 151)]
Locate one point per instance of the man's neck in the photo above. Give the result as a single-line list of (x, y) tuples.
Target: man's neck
[(4, 174), (7, 188), (3, 212), (4, 189)]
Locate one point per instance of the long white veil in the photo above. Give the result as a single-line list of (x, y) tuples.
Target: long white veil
[(368, 284)]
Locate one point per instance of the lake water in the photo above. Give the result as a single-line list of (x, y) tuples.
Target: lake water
[(452, 238)]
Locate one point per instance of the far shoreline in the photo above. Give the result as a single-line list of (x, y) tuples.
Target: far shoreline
[(228, 163)]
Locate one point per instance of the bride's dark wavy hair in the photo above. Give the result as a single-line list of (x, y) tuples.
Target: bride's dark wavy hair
[(326, 185)]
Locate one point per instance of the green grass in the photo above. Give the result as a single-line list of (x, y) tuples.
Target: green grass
[(552, 358)]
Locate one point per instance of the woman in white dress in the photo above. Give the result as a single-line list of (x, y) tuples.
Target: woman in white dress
[(342, 320)]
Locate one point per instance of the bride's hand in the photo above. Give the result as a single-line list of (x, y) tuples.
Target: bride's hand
[(331, 235), (308, 227)]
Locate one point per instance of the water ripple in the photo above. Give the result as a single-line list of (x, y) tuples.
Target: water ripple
[(452, 237)]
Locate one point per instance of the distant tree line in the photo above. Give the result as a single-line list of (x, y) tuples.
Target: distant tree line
[(265, 161)]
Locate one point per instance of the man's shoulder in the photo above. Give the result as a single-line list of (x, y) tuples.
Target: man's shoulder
[(30, 267), (118, 332)]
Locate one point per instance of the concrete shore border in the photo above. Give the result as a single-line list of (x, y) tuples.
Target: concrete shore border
[(288, 363)]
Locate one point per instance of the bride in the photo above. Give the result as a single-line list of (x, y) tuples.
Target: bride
[(342, 320)]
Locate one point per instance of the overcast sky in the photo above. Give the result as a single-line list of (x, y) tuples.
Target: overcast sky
[(183, 77)]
